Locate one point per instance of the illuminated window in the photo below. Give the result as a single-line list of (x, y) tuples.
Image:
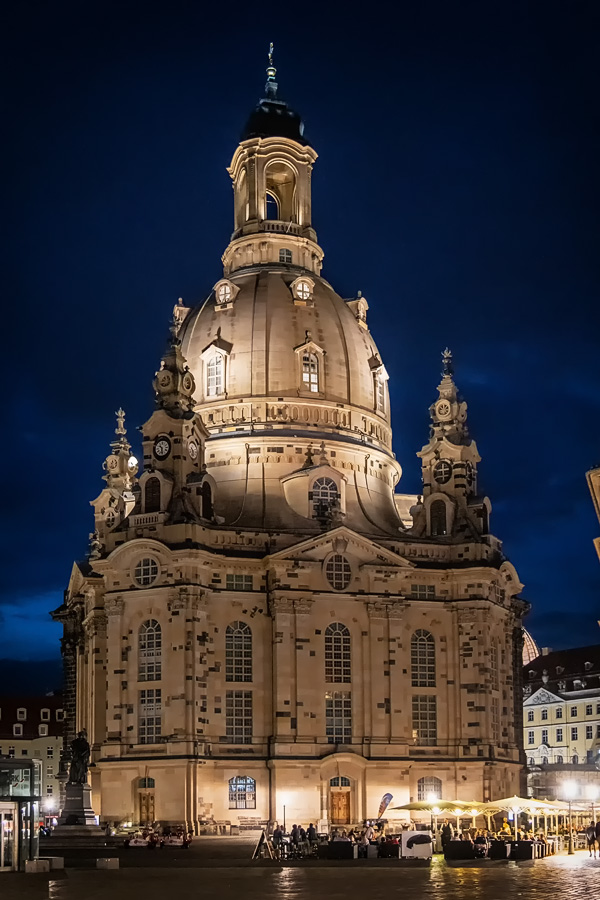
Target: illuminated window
[(150, 651), (380, 393), (339, 781), (214, 376), (150, 716), (338, 572), (422, 659), (424, 719), (285, 256), (338, 717), (310, 372), (303, 290), (337, 653), (242, 792), (146, 572), (428, 786), (224, 293), (238, 652)]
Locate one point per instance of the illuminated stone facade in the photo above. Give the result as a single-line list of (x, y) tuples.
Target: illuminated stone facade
[(262, 621)]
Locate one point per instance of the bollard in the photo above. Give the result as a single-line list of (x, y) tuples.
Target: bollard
[(33, 866)]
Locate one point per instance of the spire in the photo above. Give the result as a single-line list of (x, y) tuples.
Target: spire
[(174, 383), (271, 85), (449, 412)]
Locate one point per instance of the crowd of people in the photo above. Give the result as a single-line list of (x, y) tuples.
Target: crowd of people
[(302, 842)]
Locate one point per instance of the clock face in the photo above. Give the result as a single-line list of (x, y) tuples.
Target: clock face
[(443, 471), (113, 463), (193, 449), (162, 447), (442, 409)]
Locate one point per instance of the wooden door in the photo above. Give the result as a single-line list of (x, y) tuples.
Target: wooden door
[(146, 808), (340, 807)]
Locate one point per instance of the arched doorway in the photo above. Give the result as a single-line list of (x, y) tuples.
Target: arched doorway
[(340, 789)]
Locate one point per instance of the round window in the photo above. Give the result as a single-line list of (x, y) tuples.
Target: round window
[(443, 471), (338, 572), (303, 290), (224, 293), (146, 572)]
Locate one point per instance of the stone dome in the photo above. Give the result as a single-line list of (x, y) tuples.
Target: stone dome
[(264, 334)]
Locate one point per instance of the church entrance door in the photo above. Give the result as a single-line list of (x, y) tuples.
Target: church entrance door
[(340, 807), (147, 816)]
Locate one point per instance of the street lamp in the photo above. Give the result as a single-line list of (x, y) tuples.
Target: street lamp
[(569, 793), (591, 793)]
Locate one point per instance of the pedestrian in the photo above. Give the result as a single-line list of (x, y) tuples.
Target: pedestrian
[(447, 833), (590, 834), (311, 833), (277, 841)]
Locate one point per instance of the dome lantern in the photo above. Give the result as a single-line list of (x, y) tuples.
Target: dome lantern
[(271, 173)]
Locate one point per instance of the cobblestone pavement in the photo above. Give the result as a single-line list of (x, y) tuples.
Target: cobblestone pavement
[(559, 878)]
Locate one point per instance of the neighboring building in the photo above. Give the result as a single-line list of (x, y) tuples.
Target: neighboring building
[(20, 795), (32, 727), (254, 625), (561, 719), (593, 480)]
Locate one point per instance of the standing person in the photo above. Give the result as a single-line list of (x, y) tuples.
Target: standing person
[(369, 833), (295, 836), (447, 834), (311, 833), (590, 834), (277, 841)]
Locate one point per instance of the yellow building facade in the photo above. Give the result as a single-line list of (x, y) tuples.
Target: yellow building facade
[(263, 621)]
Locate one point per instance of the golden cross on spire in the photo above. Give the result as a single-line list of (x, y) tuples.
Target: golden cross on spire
[(271, 53), (120, 429)]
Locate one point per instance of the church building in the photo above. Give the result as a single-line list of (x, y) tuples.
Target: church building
[(262, 621)]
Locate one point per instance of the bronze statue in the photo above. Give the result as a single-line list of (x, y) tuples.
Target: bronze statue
[(80, 759)]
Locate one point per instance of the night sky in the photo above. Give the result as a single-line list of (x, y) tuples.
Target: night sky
[(457, 188)]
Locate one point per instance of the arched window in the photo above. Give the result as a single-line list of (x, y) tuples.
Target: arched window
[(559, 760), (152, 495), (146, 784), (242, 792), (339, 781), (337, 653), (310, 372), (214, 376), (207, 504), (437, 514), (380, 393), (575, 760), (149, 651), (272, 206), (324, 495), (422, 659), (238, 652), (429, 788)]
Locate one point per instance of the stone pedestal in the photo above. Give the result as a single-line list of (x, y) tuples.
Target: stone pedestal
[(77, 810)]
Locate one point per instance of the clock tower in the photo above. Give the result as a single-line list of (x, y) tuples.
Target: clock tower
[(172, 484), (451, 505)]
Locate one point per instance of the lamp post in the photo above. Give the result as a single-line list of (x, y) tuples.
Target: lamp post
[(570, 792), (284, 818), (432, 797), (591, 793)]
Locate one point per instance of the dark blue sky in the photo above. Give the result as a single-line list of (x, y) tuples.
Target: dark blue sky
[(457, 187)]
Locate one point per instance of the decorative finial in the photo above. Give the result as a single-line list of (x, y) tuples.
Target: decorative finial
[(271, 85), (447, 366), (120, 414)]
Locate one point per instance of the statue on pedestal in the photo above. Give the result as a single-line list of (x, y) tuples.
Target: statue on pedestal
[(80, 759)]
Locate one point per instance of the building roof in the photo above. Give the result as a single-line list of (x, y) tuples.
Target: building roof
[(576, 669), (274, 118), (33, 706)]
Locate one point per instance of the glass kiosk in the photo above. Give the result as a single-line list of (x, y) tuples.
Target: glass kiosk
[(20, 786)]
